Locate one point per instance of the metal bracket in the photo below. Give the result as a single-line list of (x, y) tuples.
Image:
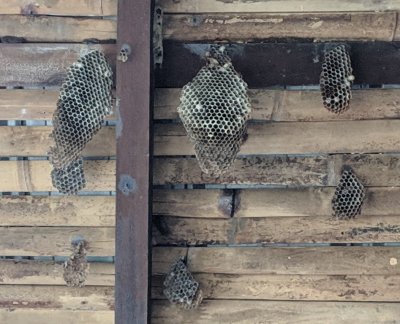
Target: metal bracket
[(157, 36)]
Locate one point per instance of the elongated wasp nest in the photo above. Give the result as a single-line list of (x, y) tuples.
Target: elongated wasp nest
[(181, 288), (84, 100), (214, 109), (336, 80), (349, 195)]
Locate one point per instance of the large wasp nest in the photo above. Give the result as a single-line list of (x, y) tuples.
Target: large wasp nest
[(214, 109), (349, 195), (84, 100), (336, 80), (181, 288)]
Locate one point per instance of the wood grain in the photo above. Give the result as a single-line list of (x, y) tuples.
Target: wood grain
[(57, 297), (60, 7), (49, 66), (212, 6), (286, 105), (49, 241), (272, 230), (40, 316), (58, 29), (257, 26), (292, 312)]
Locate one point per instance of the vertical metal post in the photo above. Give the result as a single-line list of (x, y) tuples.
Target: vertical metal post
[(134, 153)]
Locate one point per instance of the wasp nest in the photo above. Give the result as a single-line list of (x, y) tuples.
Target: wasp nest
[(180, 287), (214, 109), (84, 100), (336, 80), (349, 195)]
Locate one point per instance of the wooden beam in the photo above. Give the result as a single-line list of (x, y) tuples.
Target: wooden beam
[(212, 6), (230, 311), (134, 159), (267, 105)]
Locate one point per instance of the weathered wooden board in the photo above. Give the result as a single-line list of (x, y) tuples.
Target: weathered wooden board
[(289, 312), (49, 241), (278, 64), (317, 229), (58, 29), (26, 176), (40, 316), (56, 297), (57, 211), (257, 26), (310, 202), (212, 6), (296, 260), (39, 65), (267, 105), (60, 7), (367, 136), (36, 141), (29, 272), (375, 170), (293, 287), (211, 27)]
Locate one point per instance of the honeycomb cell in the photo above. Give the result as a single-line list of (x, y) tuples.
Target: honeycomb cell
[(349, 195), (84, 100), (336, 79), (214, 108), (181, 288)]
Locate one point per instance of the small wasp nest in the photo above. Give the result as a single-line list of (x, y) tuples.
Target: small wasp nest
[(84, 100), (336, 80), (180, 287), (349, 195), (214, 109)]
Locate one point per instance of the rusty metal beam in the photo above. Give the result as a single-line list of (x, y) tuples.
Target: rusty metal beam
[(134, 153)]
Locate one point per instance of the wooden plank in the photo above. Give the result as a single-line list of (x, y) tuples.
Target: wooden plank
[(287, 105), (40, 316), (212, 6), (330, 260), (291, 105), (257, 26), (271, 230), (49, 241), (29, 272), (39, 65), (54, 7), (310, 202), (58, 29), (374, 170), (57, 211), (289, 312), (56, 297), (36, 141), (293, 287), (279, 64), (367, 136), (26, 176)]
